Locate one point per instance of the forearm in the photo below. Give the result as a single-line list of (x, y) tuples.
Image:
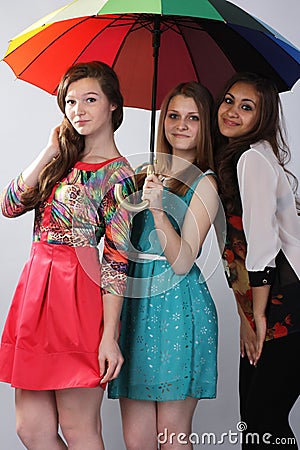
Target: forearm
[(112, 305), (177, 251), (10, 198), (260, 299), (31, 174)]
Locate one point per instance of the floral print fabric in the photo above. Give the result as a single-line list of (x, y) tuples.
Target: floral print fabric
[(81, 210), (283, 310)]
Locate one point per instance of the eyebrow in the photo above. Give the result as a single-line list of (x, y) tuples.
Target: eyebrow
[(86, 93), (176, 111), (243, 99)]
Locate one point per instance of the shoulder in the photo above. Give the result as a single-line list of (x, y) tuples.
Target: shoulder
[(206, 178), (206, 186), (259, 155), (120, 167)]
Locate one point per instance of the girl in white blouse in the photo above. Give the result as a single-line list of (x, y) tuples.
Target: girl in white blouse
[(258, 195)]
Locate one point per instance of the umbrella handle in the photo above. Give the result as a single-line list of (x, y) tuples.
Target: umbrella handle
[(124, 203)]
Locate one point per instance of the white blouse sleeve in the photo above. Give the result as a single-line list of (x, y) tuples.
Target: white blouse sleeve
[(258, 180)]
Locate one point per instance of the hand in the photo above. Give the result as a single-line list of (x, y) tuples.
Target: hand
[(110, 359), (152, 191), (247, 341), (52, 149), (261, 329)]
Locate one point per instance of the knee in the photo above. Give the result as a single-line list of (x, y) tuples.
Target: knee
[(75, 433), (29, 433), (134, 441)]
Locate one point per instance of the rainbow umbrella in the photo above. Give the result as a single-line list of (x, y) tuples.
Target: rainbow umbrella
[(153, 45)]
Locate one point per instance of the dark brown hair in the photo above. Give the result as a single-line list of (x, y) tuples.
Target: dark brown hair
[(269, 126), (72, 143)]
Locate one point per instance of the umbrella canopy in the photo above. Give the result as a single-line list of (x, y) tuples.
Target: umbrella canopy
[(153, 45), (203, 40)]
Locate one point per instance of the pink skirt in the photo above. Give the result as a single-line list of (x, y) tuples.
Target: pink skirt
[(55, 322)]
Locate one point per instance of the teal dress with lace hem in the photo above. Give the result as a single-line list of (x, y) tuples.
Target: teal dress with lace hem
[(169, 322)]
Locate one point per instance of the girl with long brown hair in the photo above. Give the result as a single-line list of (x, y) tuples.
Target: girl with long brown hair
[(59, 345), (169, 322)]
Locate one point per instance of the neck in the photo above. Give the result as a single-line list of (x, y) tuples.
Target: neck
[(99, 149), (181, 161)]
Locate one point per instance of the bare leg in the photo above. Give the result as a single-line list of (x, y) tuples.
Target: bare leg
[(37, 420), (174, 423), (139, 424), (79, 417)]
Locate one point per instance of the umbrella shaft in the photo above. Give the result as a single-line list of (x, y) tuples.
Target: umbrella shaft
[(155, 44)]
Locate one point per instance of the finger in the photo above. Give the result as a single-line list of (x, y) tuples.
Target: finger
[(112, 370), (251, 352), (259, 347), (152, 177), (116, 371), (242, 348), (102, 365)]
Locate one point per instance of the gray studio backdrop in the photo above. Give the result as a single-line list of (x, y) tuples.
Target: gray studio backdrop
[(26, 116)]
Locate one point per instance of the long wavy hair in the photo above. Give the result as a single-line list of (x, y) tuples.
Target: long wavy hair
[(71, 143), (204, 149), (269, 126)]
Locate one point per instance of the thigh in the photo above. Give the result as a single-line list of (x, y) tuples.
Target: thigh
[(246, 374), (176, 416), (79, 408), (139, 419), (274, 387)]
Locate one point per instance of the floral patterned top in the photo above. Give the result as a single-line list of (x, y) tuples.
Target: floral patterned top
[(263, 244), (80, 211)]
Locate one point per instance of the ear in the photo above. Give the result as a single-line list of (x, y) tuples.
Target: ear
[(113, 107)]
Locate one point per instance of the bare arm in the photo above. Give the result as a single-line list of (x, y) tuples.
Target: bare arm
[(181, 251), (260, 300), (247, 337), (110, 357), (31, 173)]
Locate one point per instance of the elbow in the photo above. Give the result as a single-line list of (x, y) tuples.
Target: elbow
[(180, 268), (6, 213)]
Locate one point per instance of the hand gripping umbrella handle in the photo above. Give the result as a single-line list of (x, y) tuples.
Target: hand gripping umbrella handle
[(124, 203)]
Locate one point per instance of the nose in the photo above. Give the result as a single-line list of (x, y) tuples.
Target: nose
[(233, 111), (79, 109), (182, 124)]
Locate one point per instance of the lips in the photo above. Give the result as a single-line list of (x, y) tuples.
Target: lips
[(230, 123), (180, 136), (81, 122)]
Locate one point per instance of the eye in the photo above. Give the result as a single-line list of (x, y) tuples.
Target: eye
[(247, 107), (194, 117), (172, 116), (70, 102), (91, 99), (228, 100)]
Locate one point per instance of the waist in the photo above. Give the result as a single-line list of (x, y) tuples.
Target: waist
[(148, 256)]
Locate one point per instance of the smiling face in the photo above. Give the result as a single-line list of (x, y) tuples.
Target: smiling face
[(87, 107), (238, 113), (182, 126)]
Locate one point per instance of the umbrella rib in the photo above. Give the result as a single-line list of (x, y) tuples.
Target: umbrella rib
[(188, 49), (65, 32), (47, 46)]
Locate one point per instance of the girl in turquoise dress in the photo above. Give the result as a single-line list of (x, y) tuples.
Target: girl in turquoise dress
[(169, 322)]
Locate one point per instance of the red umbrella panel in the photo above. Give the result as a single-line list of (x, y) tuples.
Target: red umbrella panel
[(190, 49)]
